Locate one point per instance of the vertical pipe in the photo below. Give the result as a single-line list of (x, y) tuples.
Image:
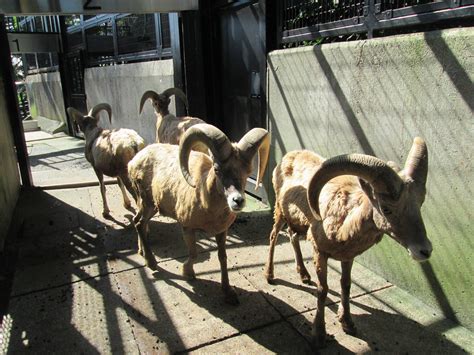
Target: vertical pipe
[(177, 59)]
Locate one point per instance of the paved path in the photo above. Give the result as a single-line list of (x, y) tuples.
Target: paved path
[(80, 288)]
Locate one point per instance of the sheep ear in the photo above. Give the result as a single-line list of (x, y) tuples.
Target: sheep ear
[(367, 188), (256, 140), (77, 116)]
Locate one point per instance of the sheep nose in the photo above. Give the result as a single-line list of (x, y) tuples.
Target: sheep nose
[(238, 200), (425, 252)]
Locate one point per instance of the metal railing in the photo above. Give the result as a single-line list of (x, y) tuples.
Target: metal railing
[(309, 20)]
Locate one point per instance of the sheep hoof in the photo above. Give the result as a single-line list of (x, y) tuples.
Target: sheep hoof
[(349, 328), (306, 279), (106, 214), (270, 278), (151, 264), (188, 273)]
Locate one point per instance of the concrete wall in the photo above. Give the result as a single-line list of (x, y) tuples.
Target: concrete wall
[(45, 97), (9, 178), (122, 87), (373, 97)]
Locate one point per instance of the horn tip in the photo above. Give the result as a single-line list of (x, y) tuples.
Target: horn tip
[(418, 140)]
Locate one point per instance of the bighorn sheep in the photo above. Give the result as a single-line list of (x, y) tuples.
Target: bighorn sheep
[(169, 128), (344, 205), (203, 193), (108, 151)]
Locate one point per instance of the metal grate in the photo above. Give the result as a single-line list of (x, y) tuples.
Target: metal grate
[(316, 21), (303, 13), (76, 74), (399, 4)]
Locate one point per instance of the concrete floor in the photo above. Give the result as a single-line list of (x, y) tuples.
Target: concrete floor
[(80, 287)]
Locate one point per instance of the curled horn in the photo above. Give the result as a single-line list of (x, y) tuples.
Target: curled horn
[(94, 112), (178, 92), (209, 135), (74, 113), (373, 170), (416, 165), (150, 94), (258, 139)]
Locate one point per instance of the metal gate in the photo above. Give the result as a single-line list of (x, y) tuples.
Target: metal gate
[(241, 57), (75, 82), (242, 60)]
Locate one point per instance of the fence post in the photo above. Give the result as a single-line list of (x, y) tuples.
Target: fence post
[(369, 18)]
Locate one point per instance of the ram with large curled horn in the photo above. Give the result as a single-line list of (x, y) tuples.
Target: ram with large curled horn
[(169, 128), (201, 192), (108, 151), (344, 205)]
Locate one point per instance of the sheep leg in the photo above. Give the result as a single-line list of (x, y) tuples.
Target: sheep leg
[(146, 214), (105, 210), (279, 222), (190, 239), (230, 295), (344, 308), (128, 185), (300, 268), (126, 200), (319, 325)]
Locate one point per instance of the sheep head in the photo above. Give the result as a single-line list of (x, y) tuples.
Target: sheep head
[(396, 196), (90, 120), (161, 101), (232, 163)]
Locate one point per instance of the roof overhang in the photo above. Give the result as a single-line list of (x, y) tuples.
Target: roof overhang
[(92, 7)]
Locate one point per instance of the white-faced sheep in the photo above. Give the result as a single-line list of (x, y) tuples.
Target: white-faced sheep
[(169, 128), (201, 192), (108, 151), (344, 205)]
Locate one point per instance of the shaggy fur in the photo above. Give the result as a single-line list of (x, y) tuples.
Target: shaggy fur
[(109, 152), (156, 176), (351, 221)]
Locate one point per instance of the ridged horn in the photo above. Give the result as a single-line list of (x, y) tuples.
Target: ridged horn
[(373, 170), (94, 112), (74, 113), (209, 135), (257, 139), (178, 92), (416, 165), (150, 94)]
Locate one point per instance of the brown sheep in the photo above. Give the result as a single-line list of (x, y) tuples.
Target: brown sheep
[(344, 205)]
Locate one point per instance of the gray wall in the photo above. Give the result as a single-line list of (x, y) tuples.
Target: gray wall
[(45, 96), (9, 177), (373, 97), (122, 87)]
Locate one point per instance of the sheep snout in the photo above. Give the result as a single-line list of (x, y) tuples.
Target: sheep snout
[(235, 199), (420, 252)]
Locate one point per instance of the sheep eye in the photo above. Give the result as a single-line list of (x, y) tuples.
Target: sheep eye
[(386, 211)]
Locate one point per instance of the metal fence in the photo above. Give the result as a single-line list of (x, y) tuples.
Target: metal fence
[(309, 20), (48, 24), (110, 39)]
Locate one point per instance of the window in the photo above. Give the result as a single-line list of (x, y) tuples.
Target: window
[(136, 33), (100, 43)]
